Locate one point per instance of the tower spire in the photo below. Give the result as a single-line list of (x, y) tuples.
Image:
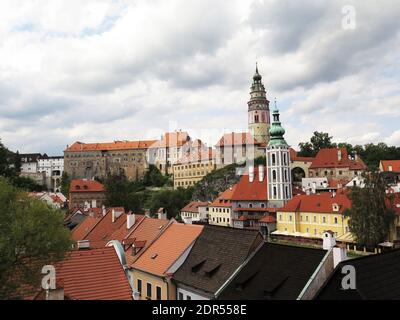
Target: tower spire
[(277, 131)]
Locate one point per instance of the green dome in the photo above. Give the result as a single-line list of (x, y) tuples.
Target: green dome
[(276, 131)]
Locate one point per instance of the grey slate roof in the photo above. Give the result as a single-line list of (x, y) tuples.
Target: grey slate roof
[(377, 277), (215, 256), (275, 272)]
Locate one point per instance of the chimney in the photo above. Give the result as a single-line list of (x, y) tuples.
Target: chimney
[(251, 173), (57, 293), (339, 254), (115, 215), (130, 220), (329, 240), (308, 192), (83, 244), (103, 210), (339, 155), (261, 173)]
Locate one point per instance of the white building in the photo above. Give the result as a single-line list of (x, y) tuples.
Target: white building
[(53, 168), (278, 165)]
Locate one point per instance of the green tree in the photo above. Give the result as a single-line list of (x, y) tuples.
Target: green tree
[(27, 184), (154, 178), (7, 167), (65, 183), (372, 213), (31, 235), (172, 200), (318, 141)]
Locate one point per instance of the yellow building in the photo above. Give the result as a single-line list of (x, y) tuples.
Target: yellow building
[(151, 273), (193, 167), (310, 215), (220, 210)]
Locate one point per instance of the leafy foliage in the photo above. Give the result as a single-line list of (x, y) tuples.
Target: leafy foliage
[(371, 153), (372, 211), (8, 162), (31, 234), (65, 183), (27, 184), (154, 178), (171, 200)]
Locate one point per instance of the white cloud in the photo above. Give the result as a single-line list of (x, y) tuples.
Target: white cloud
[(106, 70)]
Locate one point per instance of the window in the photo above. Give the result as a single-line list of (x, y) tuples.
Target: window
[(139, 286), (290, 217), (188, 298), (273, 159), (180, 296), (273, 175), (280, 217), (336, 221), (158, 293), (323, 219), (315, 218), (149, 290), (274, 192)]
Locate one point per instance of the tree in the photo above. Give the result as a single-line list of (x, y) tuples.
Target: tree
[(318, 141), (154, 178), (7, 167), (31, 235), (65, 183), (27, 184), (171, 200), (372, 213)]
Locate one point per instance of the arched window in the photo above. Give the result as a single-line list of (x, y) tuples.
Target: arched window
[(274, 175), (286, 176), (273, 159), (256, 118), (284, 159), (275, 193)]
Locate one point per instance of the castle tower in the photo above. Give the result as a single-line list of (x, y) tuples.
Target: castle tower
[(278, 164), (258, 111)]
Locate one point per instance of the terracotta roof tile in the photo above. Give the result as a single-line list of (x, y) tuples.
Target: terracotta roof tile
[(82, 229), (395, 164), (246, 190), (235, 138), (116, 145), (328, 158), (95, 274), (194, 206), (146, 231), (318, 203), (85, 185), (295, 157), (171, 244)]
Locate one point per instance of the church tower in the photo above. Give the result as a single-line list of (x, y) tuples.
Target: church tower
[(258, 111), (278, 165)]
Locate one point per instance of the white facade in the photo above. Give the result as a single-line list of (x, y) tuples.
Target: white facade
[(279, 175), (184, 294), (54, 168)]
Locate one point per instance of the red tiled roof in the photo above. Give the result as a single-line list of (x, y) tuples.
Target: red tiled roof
[(395, 164), (107, 146), (224, 199), (82, 229), (194, 206), (294, 157), (235, 138), (268, 219), (85, 185), (102, 232), (328, 158), (253, 209), (318, 203), (146, 231), (172, 139), (246, 190), (95, 274), (164, 251)]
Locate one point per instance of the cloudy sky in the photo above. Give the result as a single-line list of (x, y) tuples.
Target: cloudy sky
[(104, 70)]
